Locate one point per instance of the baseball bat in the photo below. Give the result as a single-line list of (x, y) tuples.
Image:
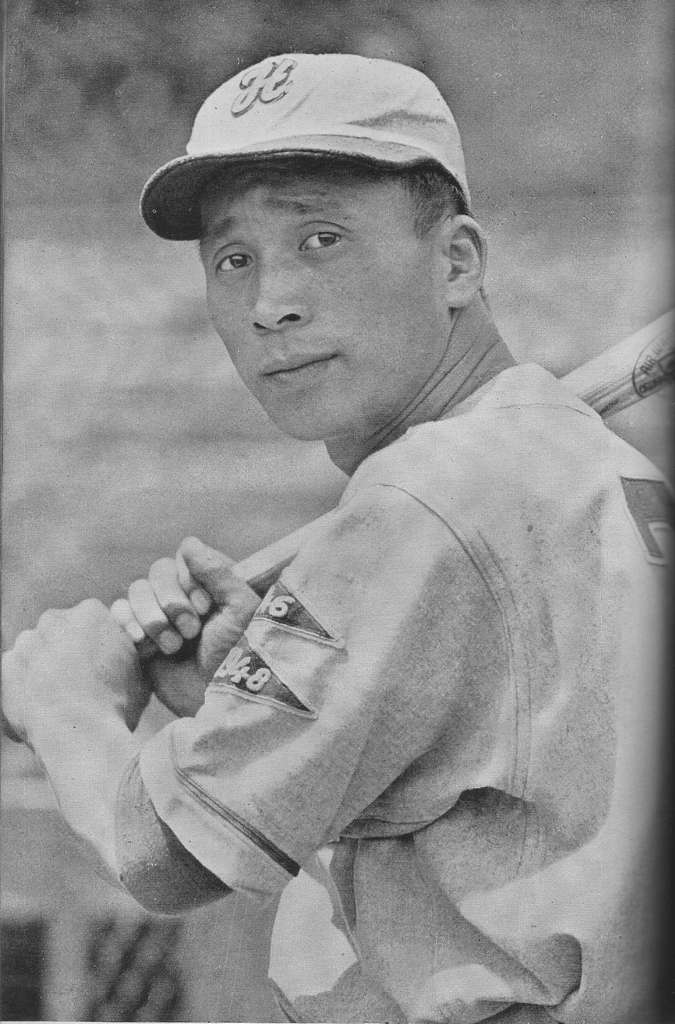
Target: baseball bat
[(622, 375), (625, 373)]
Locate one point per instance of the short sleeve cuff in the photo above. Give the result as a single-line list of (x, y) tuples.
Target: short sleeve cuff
[(220, 839)]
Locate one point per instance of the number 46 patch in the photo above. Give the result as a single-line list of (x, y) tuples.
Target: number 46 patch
[(651, 507)]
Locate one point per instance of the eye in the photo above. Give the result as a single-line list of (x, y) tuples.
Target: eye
[(321, 240), (233, 261)]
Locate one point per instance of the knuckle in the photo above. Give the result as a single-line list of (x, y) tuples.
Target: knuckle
[(183, 573), (189, 544), (154, 627), (10, 661), (218, 560), (175, 607), (91, 607), (162, 569), (50, 622), (120, 609), (49, 616), (138, 591), (145, 608), (246, 602), (23, 643)]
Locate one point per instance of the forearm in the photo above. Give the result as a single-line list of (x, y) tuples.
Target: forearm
[(72, 689), (91, 761), (85, 749)]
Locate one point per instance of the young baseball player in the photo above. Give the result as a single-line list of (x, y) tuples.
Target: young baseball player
[(444, 710)]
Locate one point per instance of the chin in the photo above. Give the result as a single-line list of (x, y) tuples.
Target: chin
[(301, 428), (297, 420)]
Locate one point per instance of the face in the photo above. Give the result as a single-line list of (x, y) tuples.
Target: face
[(332, 309)]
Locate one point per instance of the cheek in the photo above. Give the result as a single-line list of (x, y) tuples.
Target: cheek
[(243, 359), (399, 316), (229, 324), (422, 298)]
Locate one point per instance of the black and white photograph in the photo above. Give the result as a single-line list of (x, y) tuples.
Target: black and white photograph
[(338, 358)]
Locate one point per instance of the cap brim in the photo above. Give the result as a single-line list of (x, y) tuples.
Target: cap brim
[(170, 201)]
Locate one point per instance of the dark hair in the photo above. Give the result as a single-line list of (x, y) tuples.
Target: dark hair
[(433, 192)]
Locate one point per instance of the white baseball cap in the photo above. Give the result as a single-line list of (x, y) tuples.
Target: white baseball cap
[(302, 103)]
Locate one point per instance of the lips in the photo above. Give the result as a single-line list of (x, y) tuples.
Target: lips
[(295, 366)]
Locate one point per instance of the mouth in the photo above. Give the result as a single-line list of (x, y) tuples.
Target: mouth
[(296, 369)]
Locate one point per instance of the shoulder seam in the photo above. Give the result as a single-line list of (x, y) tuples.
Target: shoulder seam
[(487, 574)]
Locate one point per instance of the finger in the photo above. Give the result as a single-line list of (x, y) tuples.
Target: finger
[(198, 596), (154, 622), (124, 617), (212, 569), (172, 599)]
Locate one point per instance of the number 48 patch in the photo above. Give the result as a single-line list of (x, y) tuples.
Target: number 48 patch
[(245, 672), (651, 507)]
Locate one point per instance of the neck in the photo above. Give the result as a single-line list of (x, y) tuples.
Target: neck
[(473, 355)]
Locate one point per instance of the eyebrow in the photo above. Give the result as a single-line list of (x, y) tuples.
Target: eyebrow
[(220, 227), (299, 206)]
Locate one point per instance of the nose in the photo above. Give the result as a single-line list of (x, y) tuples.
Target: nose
[(278, 302)]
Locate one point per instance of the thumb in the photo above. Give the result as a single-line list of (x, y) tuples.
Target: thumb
[(213, 571)]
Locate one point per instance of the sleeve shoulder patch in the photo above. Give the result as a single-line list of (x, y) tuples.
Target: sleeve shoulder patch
[(246, 673), (287, 612), (651, 509)]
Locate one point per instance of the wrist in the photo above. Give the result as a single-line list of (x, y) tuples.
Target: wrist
[(46, 715), (84, 752)]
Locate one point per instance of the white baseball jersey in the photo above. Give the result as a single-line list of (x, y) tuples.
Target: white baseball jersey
[(453, 690)]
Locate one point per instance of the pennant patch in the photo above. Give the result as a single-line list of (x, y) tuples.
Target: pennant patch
[(286, 611), (245, 671), (652, 511)]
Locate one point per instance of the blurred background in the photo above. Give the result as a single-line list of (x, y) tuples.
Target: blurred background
[(124, 426)]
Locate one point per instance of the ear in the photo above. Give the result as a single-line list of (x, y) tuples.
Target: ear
[(464, 254)]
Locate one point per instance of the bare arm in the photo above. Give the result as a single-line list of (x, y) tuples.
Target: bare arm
[(74, 691)]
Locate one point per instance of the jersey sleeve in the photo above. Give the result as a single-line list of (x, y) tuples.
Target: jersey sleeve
[(154, 867), (369, 690)]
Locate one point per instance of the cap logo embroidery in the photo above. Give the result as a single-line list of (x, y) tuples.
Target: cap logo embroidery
[(266, 85), (246, 672)]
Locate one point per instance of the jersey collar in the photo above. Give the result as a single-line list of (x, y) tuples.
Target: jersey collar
[(474, 354)]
